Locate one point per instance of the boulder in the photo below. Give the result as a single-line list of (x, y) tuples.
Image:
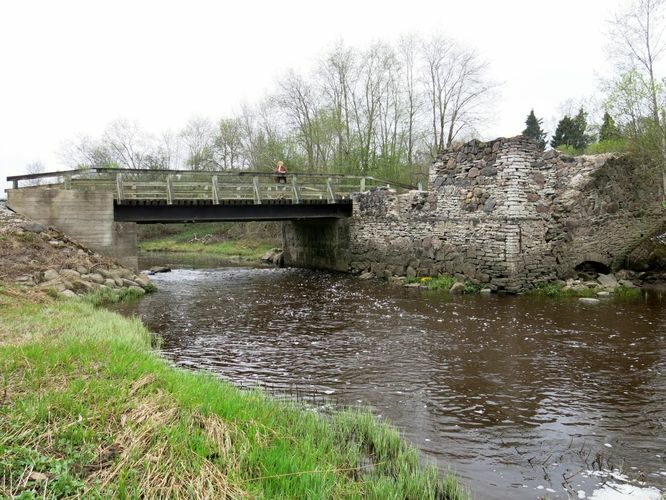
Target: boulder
[(110, 283), (33, 228), (70, 274), (457, 288), (396, 280), (96, 278), (268, 256), (603, 294), (366, 276), (79, 285), (82, 270), (626, 284), (55, 284), (142, 280), (68, 294), (50, 275), (607, 281), (278, 259)]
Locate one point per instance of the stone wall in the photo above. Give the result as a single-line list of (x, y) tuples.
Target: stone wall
[(507, 216), (85, 216)]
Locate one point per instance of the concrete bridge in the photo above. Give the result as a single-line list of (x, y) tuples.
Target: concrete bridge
[(500, 213), (100, 207)]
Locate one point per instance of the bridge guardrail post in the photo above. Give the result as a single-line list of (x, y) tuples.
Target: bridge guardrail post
[(329, 189), (67, 181), (216, 198), (169, 191), (362, 184), (294, 187), (119, 186), (255, 186)]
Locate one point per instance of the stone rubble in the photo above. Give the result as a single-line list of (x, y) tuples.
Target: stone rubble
[(43, 258)]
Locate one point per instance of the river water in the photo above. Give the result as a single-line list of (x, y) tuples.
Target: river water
[(521, 397)]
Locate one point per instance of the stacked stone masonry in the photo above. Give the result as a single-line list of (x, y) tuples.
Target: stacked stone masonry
[(507, 216)]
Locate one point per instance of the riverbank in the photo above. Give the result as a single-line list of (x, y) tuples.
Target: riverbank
[(87, 408), (243, 242)]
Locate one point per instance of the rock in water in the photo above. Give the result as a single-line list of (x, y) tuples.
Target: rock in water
[(588, 300), (159, 269), (457, 288)]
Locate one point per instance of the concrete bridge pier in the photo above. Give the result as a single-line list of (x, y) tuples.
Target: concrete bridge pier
[(317, 244), (84, 216)]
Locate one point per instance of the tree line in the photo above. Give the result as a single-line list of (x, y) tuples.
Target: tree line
[(634, 99), (385, 111)]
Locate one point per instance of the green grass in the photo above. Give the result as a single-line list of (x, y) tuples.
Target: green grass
[(243, 249), (558, 290), (87, 409), (623, 292), (443, 282), (611, 146), (211, 238)]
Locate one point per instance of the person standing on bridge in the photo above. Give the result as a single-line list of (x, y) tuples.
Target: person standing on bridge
[(281, 172)]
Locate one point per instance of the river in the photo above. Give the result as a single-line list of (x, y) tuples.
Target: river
[(521, 397)]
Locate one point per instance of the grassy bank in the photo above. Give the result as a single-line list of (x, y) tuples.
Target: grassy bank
[(88, 409), (558, 290), (240, 241)]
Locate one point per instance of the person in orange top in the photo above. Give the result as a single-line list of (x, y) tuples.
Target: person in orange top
[(281, 172)]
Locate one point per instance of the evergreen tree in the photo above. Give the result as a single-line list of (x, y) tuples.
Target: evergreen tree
[(609, 130), (580, 138), (563, 133), (572, 132), (534, 130)]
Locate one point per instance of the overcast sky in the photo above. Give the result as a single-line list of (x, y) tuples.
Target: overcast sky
[(68, 68)]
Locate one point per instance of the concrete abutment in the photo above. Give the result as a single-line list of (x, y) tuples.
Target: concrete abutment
[(85, 216)]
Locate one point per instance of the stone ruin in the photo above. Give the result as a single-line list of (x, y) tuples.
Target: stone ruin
[(507, 216)]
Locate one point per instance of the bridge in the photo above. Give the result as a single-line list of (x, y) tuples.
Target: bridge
[(99, 206), (151, 196)]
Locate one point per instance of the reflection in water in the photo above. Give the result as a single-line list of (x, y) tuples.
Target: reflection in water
[(517, 395)]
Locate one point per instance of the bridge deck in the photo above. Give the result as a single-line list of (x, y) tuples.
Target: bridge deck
[(176, 195)]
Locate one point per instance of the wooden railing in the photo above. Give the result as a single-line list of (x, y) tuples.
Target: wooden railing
[(174, 186)]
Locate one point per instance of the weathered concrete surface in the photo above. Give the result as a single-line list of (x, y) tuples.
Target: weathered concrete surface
[(317, 244), (85, 216)]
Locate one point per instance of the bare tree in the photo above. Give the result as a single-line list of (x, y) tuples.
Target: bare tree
[(198, 136), (336, 72), (127, 145), (169, 149), (34, 167), (408, 50), (228, 143), (296, 98), (637, 45), (457, 84), (85, 152)]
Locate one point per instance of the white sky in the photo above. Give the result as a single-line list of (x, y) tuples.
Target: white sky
[(69, 67)]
